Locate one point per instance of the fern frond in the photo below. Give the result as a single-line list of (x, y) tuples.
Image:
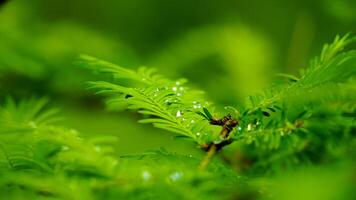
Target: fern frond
[(290, 120), (333, 65), (143, 75), (168, 105), (280, 120), (26, 116), (46, 147), (329, 51)]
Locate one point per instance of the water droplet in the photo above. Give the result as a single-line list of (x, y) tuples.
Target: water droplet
[(179, 94), (197, 106), (181, 88), (168, 101), (239, 128), (179, 113), (249, 127), (190, 156), (192, 121), (178, 83), (174, 88), (198, 134), (146, 175), (176, 176)]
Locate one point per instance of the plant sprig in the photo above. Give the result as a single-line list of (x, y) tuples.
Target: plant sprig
[(167, 104)]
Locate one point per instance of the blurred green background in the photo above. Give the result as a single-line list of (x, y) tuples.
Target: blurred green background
[(229, 48)]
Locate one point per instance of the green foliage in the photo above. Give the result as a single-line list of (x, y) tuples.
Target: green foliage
[(35, 154), (306, 120), (30, 141), (167, 104), (286, 137), (283, 126), (287, 120), (41, 160)]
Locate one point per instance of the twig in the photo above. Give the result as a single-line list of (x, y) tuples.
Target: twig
[(211, 152)]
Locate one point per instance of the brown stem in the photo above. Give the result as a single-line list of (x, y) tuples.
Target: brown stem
[(211, 152), (228, 124)]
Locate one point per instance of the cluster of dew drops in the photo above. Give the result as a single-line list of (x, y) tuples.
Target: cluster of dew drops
[(174, 176), (179, 90)]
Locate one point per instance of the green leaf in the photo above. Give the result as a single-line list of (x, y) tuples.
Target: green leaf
[(207, 113)]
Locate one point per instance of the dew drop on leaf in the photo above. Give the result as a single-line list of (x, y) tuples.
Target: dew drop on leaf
[(146, 175), (249, 127), (197, 106), (176, 176)]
